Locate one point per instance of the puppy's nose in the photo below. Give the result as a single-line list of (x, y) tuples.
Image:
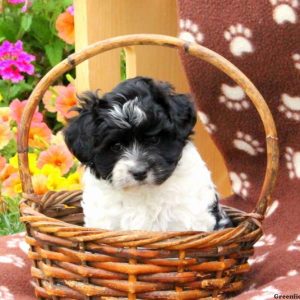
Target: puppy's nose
[(139, 174)]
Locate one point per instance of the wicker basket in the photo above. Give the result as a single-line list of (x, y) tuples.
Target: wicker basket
[(74, 262)]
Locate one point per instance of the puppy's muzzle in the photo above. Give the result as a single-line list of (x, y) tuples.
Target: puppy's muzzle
[(139, 173)]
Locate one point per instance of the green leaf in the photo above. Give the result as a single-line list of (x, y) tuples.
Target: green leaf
[(70, 78), (9, 150), (26, 22), (9, 28), (66, 3), (54, 52), (40, 29), (19, 88), (4, 90)]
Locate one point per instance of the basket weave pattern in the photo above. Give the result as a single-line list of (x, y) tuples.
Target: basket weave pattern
[(74, 262)]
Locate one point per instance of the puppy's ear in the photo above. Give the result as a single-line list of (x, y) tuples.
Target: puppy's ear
[(166, 87), (183, 114), (79, 132)]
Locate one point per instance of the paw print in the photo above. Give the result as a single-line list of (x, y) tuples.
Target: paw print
[(245, 142), (5, 293), (238, 37), (292, 162), (267, 293), (12, 259), (233, 97), (296, 59), (290, 106), (266, 240), (18, 242), (258, 259), (272, 208), (295, 245), (292, 273), (210, 128), (284, 11), (240, 183), (189, 32)]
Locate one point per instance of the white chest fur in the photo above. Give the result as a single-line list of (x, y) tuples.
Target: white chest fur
[(181, 203)]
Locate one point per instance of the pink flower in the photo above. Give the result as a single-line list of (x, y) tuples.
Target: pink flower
[(5, 134), (50, 97), (11, 187), (14, 61), (66, 100), (39, 135), (17, 107), (58, 156), (70, 10), (15, 2), (2, 162)]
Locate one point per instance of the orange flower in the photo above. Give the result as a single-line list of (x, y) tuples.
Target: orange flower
[(65, 27), (39, 135), (57, 155), (60, 118), (2, 162), (17, 107), (12, 185), (50, 97), (5, 114), (5, 134), (66, 100), (39, 182), (7, 171)]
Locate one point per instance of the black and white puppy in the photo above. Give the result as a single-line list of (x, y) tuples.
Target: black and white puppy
[(142, 171)]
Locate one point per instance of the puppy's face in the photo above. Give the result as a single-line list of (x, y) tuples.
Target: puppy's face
[(133, 135)]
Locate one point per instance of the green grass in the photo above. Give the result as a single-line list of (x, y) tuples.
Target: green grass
[(10, 218), (123, 65)]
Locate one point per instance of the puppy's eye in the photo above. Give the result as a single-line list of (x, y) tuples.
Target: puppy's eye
[(154, 140), (116, 147)]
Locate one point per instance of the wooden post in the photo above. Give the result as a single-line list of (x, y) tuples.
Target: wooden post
[(100, 19)]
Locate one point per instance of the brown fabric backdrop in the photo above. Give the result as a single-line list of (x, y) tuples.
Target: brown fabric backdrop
[(262, 38)]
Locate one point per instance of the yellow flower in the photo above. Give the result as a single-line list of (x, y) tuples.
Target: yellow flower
[(74, 181), (32, 157), (56, 183), (49, 169)]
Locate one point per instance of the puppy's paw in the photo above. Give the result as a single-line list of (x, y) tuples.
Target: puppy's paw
[(222, 219)]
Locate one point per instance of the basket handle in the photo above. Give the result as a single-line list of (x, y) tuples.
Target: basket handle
[(152, 39)]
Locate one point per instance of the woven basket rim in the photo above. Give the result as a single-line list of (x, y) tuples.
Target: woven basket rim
[(31, 215), (193, 49)]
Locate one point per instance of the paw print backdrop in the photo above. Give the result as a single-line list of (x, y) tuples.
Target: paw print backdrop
[(239, 39), (262, 38), (233, 97), (15, 279)]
